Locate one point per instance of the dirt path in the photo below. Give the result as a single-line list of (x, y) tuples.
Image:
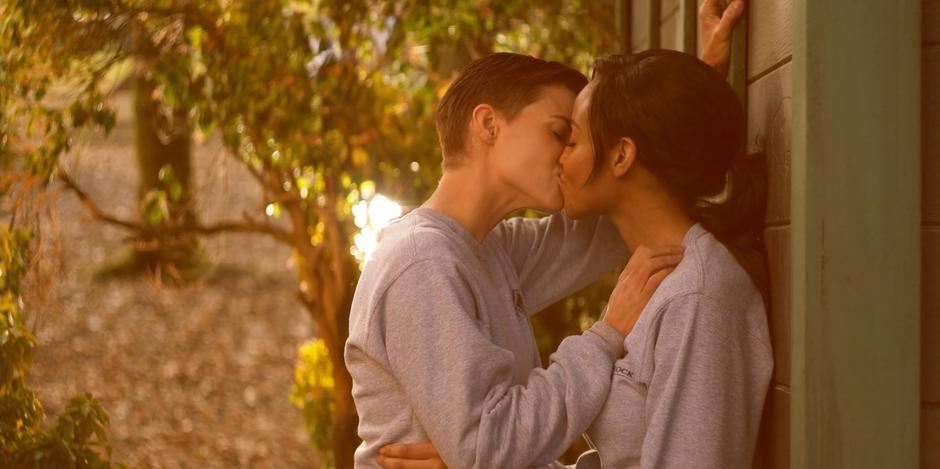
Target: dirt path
[(197, 377)]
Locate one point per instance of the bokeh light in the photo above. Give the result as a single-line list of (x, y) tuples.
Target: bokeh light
[(371, 216)]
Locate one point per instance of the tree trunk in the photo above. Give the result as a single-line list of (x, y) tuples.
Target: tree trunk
[(344, 436), (161, 142)]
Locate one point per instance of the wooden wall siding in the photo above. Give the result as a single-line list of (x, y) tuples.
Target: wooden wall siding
[(930, 237), (672, 24), (670, 31), (689, 13), (930, 437), (639, 25), (698, 48), (737, 74), (654, 20), (762, 73), (668, 8), (773, 444), (930, 319), (931, 15), (623, 9), (931, 132), (770, 38), (768, 130), (777, 240)]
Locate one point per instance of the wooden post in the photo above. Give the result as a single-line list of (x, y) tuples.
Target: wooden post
[(856, 234)]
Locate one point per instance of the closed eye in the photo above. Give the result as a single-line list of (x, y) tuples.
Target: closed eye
[(563, 139), (566, 142)]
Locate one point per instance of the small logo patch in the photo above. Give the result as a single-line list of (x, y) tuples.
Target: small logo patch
[(619, 370)]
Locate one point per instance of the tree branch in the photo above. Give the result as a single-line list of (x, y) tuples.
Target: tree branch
[(92, 207), (248, 225)]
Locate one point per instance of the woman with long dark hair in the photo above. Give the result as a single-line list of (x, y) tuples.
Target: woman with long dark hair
[(657, 146)]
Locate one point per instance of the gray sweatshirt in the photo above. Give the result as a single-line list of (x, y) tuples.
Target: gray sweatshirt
[(440, 346), (690, 391)]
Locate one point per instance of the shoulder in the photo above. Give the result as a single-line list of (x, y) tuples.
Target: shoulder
[(412, 256), (415, 254), (708, 292), (409, 295), (708, 278), (720, 271), (410, 240)]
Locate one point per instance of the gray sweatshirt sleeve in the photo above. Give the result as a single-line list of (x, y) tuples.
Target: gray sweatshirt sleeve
[(707, 388), (459, 383), (556, 256)]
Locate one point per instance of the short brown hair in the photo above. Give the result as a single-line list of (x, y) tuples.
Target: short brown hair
[(506, 81)]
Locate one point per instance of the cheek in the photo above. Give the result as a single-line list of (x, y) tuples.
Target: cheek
[(578, 167), (547, 151), (529, 153), (541, 160)]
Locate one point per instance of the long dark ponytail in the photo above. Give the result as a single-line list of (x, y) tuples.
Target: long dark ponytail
[(688, 126)]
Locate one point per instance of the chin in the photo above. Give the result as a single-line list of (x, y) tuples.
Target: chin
[(548, 203), (555, 205), (574, 213)]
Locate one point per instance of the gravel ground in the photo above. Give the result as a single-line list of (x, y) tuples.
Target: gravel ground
[(192, 377)]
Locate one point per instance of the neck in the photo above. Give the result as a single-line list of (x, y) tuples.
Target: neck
[(651, 221), (469, 196)]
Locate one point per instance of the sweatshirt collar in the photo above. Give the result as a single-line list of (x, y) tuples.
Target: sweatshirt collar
[(452, 225), (694, 233)]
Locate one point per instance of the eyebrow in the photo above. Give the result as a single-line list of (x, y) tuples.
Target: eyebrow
[(567, 120)]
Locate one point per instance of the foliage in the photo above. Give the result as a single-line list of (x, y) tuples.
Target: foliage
[(34, 132), (312, 392), (78, 438)]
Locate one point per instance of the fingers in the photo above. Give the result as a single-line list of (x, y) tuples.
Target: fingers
[(410, 455), (711, 8), (729, 19), (653, 283), (638, 279), (647, 268), (657, 264), (655, 251), (409, 451), (647, 260), (644, 254), (396, 463)]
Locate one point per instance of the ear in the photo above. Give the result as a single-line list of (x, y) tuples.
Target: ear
[(484, 123), (622, 156)]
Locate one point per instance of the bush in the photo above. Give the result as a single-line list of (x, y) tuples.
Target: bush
[(312, 392), (78, 439)]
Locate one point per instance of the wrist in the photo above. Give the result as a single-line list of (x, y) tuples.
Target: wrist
[(618, 327), (611, 336)]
